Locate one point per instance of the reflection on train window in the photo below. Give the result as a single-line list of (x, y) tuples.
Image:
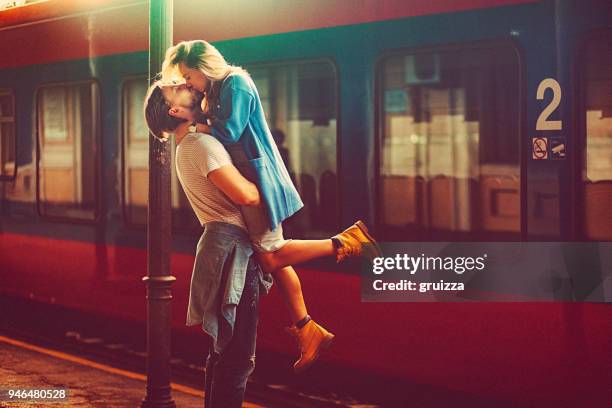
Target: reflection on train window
[(7, 134), (136, 164), (449, 157), (300, 104), (68, 175), (598, 115)]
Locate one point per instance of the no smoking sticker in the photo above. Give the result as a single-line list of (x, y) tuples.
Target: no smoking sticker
[(539, 148)]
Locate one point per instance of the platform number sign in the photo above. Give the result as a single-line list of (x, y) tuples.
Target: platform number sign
[(541, 144), (543, 122)]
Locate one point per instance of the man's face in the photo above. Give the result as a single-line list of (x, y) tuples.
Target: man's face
[(181, 96)]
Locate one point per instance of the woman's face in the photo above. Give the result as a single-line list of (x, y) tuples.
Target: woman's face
[(194, 78)]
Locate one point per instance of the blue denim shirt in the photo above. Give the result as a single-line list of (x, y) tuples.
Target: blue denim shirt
[(239, 118), (223, 255)]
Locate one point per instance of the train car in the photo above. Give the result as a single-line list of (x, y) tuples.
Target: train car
[(451, 120)]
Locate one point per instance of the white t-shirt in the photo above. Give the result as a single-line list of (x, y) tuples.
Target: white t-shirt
[(197, 155)]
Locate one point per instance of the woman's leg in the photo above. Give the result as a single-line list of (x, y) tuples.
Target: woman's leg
[(311, 337), (294, 252), (276, 255), (291, 291), (279, 262)]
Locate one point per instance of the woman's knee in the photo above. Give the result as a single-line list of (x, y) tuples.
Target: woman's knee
[(268, 261)]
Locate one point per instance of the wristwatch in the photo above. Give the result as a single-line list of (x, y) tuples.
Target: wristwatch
[(193, 128)]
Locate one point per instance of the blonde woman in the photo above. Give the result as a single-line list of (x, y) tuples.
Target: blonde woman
[(233, 114)]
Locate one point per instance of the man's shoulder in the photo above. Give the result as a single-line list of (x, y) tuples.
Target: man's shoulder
[(204, 140), (207, 146)]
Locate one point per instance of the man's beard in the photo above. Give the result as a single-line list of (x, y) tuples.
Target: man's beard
[(193, 101)]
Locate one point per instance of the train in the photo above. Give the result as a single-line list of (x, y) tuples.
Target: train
[(451, 120)]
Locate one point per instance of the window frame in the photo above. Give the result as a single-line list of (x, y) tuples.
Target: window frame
[(11, 92), (97, 129), (424, 232)]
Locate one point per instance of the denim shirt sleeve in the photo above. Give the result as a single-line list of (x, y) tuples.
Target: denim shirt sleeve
[(234, 114)]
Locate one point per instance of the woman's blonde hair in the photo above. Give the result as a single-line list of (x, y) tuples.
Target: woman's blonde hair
[(197, 54)]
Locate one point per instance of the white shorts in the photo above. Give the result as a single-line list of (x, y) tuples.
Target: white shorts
[(262, 238)]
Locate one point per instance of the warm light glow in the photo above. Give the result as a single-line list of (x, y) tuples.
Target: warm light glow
[(7, 4)]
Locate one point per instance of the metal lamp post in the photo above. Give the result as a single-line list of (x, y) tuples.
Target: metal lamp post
[(158, 280)]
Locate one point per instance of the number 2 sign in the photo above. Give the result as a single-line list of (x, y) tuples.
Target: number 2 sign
[(543, 122), (540, 144)]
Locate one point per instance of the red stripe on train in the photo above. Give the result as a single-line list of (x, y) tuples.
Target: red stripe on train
[(525, 352)]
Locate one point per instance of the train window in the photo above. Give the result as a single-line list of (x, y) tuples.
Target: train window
[(597, 82), (7, 134), (17, 191), (449, 144), (136, 152), (300, 103), (69, 147), (136, 164)]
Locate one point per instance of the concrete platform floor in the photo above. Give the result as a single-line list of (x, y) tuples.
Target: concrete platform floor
[(89, 383)]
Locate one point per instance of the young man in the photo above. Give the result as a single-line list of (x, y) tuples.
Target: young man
[(226, 280)]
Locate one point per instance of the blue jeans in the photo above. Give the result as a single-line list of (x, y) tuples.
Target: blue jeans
[(227, 373)]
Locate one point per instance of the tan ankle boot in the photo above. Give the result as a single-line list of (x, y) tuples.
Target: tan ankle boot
[(352, 240), (311, 339)]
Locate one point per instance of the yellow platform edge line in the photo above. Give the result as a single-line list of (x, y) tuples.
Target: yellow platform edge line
[(103, 367)]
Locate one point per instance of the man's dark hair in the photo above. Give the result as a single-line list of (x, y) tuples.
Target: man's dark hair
[(156, 112)]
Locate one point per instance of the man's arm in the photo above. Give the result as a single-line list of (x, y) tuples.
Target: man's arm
[(240, 190)]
